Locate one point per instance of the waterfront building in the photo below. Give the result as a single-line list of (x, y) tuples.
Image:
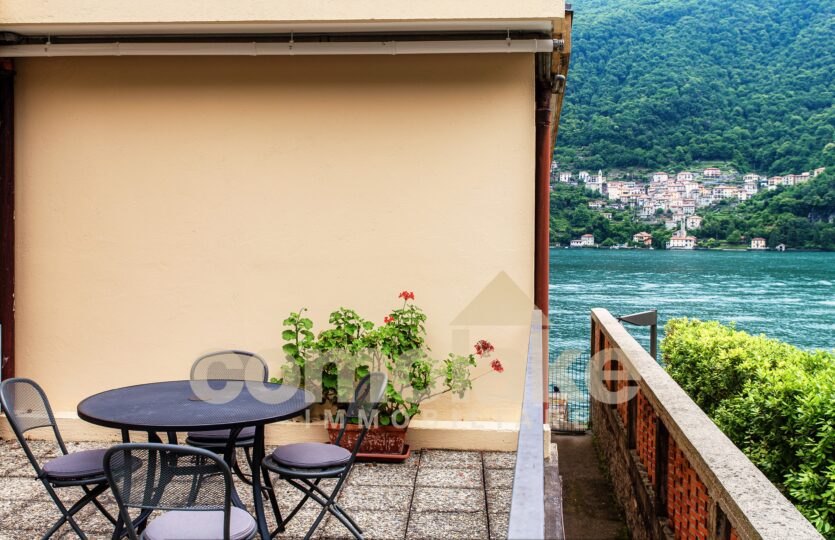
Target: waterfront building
[(587, 240), (642, 237), (758, 243)]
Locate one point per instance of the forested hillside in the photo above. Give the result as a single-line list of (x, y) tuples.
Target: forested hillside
[(801, 216), (667, 83)]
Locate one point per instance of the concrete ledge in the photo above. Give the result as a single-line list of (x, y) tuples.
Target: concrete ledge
[(457, 435)]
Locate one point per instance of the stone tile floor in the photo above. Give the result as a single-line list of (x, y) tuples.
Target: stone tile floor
[(435, 494)]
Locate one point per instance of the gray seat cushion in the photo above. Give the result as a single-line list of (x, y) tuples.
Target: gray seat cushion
[(76, 465), (200, 525), (311, 455), (221, 434)]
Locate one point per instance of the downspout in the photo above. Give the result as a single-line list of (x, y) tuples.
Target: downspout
[(542, 217), (7, 218), (548, 85)]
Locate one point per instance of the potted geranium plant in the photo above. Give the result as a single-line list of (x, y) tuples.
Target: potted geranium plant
[(398, 347)]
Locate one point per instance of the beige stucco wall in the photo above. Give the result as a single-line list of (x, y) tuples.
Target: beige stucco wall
[(170, 206), (166, 11)]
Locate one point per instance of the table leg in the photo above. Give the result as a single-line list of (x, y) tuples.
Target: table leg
[(119, 530), (257, 498), (229, 457)]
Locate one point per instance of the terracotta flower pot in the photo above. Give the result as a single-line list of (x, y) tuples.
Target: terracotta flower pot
[(385, 440)]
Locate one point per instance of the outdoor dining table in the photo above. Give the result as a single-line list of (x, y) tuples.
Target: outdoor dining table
[(182, 406)]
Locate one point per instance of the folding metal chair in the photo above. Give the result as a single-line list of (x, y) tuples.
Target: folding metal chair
[(304, 465), (27, 408), (192, 485), (228, 365)]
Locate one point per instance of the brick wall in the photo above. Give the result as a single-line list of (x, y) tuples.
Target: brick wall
[(688, 504), (645, 435)]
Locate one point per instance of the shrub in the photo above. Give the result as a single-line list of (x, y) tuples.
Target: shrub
[(774, 401)]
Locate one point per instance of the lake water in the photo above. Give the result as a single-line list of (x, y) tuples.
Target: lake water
[(789, 296)]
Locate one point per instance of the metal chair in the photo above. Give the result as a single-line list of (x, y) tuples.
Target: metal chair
[(228, 365), (192, 485), (27, 408), (304, 465)]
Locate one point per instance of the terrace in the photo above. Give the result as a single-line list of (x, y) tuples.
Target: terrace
[(436, 493), (673, 472)]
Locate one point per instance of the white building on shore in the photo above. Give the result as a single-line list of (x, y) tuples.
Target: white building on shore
[(681, 240)]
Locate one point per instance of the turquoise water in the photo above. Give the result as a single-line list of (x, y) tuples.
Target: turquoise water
[(789, 296)]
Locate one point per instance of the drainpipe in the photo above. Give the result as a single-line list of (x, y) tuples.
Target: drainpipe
[(7, 213), (548, 84), (542, 217)]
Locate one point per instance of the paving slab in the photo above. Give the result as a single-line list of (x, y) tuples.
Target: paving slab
[(498, 478), (434, 499), (447, 525), (21, 489), (374, 525), (498, 525), (450, 459), (450, 478), (383, 475), (499, 460), (498, 500), (375, 498)]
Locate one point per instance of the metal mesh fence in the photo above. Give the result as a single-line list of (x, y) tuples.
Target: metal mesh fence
[(568, 392)]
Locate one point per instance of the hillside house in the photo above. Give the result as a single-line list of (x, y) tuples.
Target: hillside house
[(684, 176), (693, 222), (712, 172), (758, 243), (643, 238)]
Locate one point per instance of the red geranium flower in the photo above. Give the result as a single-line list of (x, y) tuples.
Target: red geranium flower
[(388, 320), (483, 347), (497, 365), (407, 295)]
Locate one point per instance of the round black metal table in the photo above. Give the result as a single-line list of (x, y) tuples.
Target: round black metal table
[(169, 407)]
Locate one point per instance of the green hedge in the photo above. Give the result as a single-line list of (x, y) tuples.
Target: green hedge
[(774, 401)]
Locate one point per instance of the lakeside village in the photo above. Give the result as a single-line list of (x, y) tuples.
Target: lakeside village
[(674, 200)]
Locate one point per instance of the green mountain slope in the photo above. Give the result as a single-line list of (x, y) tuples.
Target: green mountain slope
[(667, 83), (801, 216)]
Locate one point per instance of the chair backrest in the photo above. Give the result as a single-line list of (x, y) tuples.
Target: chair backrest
[(230, 365), (27, 408), (152, 476), (368, 395)]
